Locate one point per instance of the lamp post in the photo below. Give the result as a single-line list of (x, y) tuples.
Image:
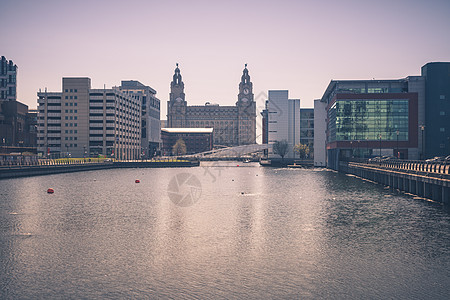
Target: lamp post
[(379, 136), (398, 152), (422, 128)]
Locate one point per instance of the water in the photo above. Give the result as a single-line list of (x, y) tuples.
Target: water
[(242, 232)]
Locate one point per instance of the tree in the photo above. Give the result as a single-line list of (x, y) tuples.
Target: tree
[(179, 148), (302, 150), (281, 148)]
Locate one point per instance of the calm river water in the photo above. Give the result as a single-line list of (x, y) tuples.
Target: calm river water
[(219, 231)]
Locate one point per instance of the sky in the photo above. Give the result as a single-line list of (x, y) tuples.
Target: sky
[(291, 45)]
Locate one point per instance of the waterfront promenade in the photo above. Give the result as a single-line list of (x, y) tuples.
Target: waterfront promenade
[(429, 180), (55, 166)]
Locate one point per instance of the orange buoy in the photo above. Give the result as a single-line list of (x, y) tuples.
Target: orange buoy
[(137, 181), (50, 191)]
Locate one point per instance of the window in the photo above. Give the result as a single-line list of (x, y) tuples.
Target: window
[(75, 124), (75, 111), (71, 111), (75, 145), (66, 131), (71, 97), (66, 111), (75, 118), (75, 104), (71, 90), (75, 90), (66, 117), (71, 104), (66, 90), (67, 97), (66, 137), (75, 97), (76, 131), (66, 104)]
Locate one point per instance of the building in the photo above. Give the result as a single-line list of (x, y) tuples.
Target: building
[(307, 129), (8, 83), (81, 121), (233, 125), (372, 117), (196, 139), (320, 133), (436, 128), (283, 120), (150, 118), (17, 130)]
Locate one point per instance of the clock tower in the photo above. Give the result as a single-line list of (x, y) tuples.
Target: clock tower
[(176, 106), (246, 111)]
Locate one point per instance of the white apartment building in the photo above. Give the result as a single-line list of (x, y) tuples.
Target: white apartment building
[(85, 122), (283, 120)]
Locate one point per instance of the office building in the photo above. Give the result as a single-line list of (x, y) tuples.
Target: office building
[(233, 125), (307, 129), (283, 120), (150, 117), (8, 80), (436, 128), (320, 133), (372, 117), (17, 130), (81, 122)]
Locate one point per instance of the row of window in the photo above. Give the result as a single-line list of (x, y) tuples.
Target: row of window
[(71, 90)]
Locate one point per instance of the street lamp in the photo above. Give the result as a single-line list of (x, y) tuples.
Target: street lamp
[(398, 152), (380, 143), (422, 128)]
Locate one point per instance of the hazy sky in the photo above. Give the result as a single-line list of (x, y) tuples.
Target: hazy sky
[(294, 45)]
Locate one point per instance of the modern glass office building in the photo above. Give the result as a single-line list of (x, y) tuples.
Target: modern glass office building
[(368, 118)]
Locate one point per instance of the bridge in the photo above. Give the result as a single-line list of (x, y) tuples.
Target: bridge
[(424, 179), (231, 152)]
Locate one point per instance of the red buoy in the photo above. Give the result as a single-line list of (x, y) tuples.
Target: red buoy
[(237, 165), (50, 191), (137, 181)]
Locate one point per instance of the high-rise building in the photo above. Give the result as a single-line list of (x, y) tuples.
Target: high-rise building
[(8, 76), (150, 117), (233, 125), (17, 131), (436, 128), (283, 120), (82, 122)]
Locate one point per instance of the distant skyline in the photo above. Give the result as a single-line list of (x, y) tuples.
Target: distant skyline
[(291, 45)]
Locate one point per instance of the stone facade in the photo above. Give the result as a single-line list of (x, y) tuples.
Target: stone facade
[(233, 125)]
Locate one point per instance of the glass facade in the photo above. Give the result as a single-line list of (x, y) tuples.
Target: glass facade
[(359, 120)]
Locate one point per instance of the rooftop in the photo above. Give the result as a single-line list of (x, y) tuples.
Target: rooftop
[(187, 130)]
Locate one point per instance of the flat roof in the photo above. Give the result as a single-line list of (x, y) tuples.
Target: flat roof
[(187, 130)]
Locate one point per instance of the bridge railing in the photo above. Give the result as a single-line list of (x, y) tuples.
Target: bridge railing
[(436, 167)]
